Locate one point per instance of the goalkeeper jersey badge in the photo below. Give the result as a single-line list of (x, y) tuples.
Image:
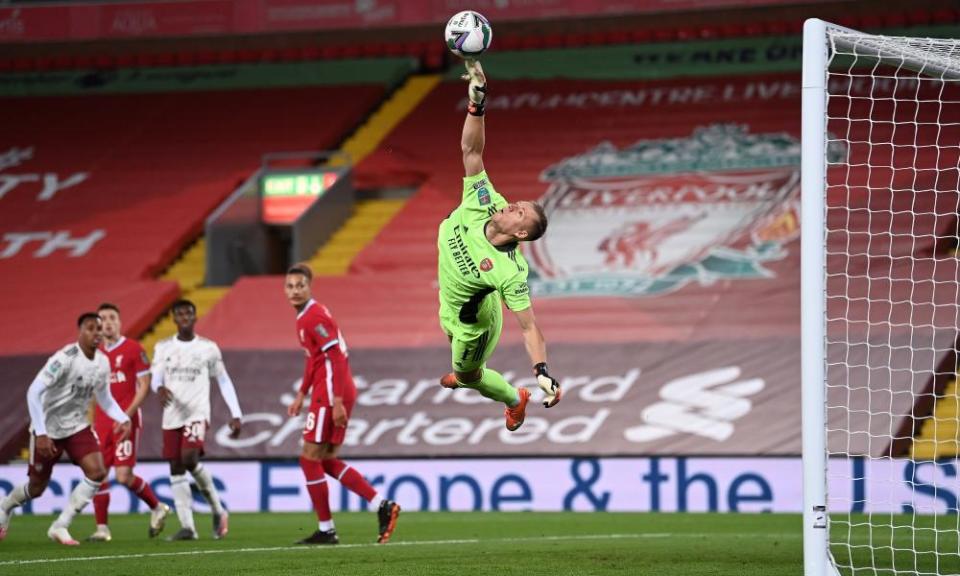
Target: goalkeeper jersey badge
[(657, 215)]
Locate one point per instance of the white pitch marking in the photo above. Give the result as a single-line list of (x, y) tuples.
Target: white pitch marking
[(336, 547)]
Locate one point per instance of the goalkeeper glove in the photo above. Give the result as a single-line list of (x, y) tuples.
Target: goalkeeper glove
[(477, 92), (549, 385)]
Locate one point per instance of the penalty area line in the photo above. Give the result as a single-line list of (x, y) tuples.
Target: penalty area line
[(303, 547)]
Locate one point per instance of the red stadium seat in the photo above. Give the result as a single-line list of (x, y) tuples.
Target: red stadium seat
[(373, 50), (105, 62), (63, 62), (166, 59), (352, 51), (126, 60), (227, 56), (944, 16), (618, 37), (777, 28), (84, 61), (509, 43), (185, 58), (291, 55), (248, 56), (894, 20), (207, 57), (665, 35), (44, 63), (597, 38), (331, 52), (553, 41), (919, 17), (531, 43)]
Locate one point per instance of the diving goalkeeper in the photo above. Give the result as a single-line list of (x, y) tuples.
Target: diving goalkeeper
[(479, 265)]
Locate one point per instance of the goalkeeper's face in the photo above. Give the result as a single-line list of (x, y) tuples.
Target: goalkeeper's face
[(297, 289), (517, 219)]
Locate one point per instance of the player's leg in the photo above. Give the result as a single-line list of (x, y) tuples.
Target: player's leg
[(470, 355), (352, 479), (179, 484), (38, 474), (84, 450), (192, 451), (387, 510), (125, 458), (101, 500), (311, 463)]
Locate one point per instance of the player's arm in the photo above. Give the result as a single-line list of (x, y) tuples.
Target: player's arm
[(338, 365), (229, 393), (143, 388), (38, 420), (537, 351), (143, 383), (109, 405), (473, 138), (306, 383)]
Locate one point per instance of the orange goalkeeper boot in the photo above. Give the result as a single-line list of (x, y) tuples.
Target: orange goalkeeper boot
[(516, 414), (450, 381)]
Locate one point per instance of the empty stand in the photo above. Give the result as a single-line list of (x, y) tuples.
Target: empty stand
[(145, 169)]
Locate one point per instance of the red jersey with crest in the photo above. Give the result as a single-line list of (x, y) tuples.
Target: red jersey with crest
[(326, 369), (128, 361)]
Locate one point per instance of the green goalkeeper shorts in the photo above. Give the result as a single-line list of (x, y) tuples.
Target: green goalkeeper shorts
[(471, 345)]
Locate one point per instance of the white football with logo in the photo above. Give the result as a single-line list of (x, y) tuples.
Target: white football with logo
[(468, 34)]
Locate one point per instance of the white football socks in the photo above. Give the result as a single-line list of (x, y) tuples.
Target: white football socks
[(182, 500), (79, 498), (17, 497), (207, 488)]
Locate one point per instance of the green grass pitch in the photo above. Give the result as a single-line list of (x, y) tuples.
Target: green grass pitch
[(457, 543)]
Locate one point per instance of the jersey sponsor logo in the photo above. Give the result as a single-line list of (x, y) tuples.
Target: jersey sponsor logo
[(144, 358), (480, 184), (521, 289), (461, 257), (486, 265), (483, 195), (72, 351), (322, 331), (55, 367), (659, 215)]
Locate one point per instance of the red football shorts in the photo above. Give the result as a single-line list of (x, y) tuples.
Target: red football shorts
[(319, 428), (189, 437), (76, 446)]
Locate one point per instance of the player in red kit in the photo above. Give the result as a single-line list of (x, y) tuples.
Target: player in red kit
[(129, 385), (327, 374)]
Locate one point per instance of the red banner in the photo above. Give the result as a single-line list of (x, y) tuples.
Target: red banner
[(222, 17)]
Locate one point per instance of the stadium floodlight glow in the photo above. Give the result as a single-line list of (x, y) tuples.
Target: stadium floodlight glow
[(880, 301)]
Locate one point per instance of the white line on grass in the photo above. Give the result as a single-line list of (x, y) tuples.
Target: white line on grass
[(339, 546)]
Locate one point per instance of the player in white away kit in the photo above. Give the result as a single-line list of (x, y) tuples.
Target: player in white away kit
[(58, 400), (182, 368)]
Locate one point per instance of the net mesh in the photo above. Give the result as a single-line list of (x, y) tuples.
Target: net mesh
[(893, 304)]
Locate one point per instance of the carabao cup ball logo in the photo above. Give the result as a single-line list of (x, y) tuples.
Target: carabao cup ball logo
[(468, 34)]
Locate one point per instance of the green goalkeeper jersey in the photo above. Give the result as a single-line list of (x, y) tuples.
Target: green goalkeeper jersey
[(473, 273)]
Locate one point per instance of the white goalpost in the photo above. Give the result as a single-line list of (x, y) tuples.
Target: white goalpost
[(880, 301)]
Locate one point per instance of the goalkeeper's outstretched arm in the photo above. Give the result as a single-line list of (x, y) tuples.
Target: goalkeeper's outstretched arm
[(472, 140)]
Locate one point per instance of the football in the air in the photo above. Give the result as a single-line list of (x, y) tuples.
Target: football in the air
[(468, 34)]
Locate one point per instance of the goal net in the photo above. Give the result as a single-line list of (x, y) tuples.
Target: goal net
[(881, 303)]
